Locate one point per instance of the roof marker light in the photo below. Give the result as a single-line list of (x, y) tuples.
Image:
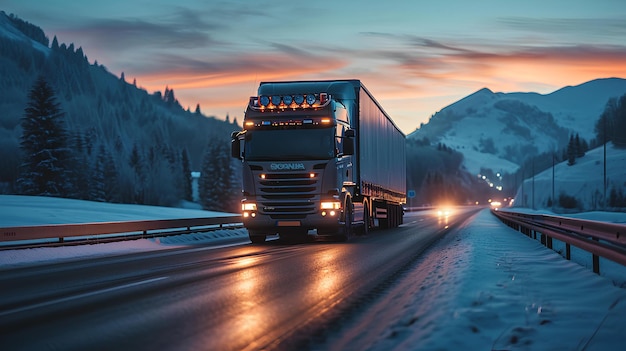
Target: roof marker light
[(299, 99), (287, 99), (264, 100), (310, 99), (276, 100)]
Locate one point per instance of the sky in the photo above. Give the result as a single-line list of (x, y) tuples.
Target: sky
[(416, 57), (487, 286)]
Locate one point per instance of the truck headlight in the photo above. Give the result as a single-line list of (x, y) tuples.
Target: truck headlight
[(330, 205), (248, 206), (330, 208), (248, 209)]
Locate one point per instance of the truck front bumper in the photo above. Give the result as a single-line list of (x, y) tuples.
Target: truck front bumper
[(264, 223)]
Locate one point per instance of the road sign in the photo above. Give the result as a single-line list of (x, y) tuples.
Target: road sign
[(410, 194)]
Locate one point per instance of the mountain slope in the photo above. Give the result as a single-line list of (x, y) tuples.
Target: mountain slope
[(582, 183), (102, 112), (498, 131)]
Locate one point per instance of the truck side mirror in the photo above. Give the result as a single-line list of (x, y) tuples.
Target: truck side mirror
[(235, 145), (348, 142)]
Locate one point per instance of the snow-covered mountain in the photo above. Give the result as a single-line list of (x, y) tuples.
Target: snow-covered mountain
[(498, 131)]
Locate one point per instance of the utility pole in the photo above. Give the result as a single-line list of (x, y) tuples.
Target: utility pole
[(553, 199), (533, 197), (523, 196), (604, 202)]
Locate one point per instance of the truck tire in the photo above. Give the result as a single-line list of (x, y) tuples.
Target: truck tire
[(366, 220), (256, 237), (348, 219), (384, 223)]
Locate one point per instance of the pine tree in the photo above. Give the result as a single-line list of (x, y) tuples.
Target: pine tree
[(81, 169), (619, 132), (579, 147), (97, 188), (605, 124), (187, 193), (216, 185), (45, 169), (137, 165), (571, 151), (111, 189)]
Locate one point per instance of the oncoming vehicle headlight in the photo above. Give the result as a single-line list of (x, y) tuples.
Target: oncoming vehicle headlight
[(444, 212)]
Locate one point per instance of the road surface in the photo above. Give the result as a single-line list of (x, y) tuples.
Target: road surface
[(244, 297)]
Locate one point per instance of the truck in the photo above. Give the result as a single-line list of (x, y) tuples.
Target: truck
[(320, 158)]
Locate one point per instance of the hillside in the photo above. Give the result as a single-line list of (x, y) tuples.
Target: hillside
[(102, 111), (499, 131), (583, 182)]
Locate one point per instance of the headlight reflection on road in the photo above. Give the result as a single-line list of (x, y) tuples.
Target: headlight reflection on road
[(443, 216), (253, 314), (326, 278), (329, 277)]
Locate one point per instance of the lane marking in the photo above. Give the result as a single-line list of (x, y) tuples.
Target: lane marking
[(79, 296)]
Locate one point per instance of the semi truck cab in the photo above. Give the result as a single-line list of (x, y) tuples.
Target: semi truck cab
[(299, 149)]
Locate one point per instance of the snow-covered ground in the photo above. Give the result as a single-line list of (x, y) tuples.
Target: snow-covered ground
[(505, 291), (33, 210), (584, 180)]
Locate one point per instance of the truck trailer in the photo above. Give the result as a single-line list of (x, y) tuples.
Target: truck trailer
[(319, 158)]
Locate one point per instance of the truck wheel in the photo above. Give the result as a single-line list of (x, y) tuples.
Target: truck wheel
[(384, 223), (348, 219), (256, 238), (393, 218), (366, 220)]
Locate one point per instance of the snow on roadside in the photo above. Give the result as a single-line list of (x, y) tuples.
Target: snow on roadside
[(491, 288), (16, 210), (36, 256)]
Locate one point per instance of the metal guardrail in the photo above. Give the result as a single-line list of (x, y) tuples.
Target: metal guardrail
[(601, 239), (104, 229)]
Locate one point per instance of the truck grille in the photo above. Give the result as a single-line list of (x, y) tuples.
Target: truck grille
[(288, 195)]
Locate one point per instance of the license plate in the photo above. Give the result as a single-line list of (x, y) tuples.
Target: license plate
[(288, 223)]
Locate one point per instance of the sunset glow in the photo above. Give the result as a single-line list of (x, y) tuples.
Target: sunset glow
[(415, 57)]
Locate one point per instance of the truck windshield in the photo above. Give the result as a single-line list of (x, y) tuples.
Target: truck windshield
[(290, 144)]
